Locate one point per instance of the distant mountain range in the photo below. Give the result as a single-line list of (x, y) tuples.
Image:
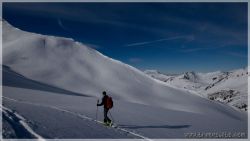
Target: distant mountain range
[(227, 87)]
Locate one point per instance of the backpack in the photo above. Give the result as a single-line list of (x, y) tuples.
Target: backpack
[(109, 102)]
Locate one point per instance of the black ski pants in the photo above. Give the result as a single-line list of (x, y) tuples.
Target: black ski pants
[(106, 118)]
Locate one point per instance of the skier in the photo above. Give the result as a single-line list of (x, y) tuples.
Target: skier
[(107, 104)]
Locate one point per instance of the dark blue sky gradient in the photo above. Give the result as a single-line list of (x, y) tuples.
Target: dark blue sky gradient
[(169, 37)]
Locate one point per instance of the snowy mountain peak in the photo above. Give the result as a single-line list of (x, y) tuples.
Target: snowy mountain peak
[(190, 76), (213, 84), (66, 64)]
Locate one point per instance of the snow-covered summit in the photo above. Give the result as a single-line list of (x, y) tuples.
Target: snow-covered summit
[(218, 82), (73, 66)]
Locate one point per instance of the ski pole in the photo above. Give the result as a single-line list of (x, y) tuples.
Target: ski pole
[(96, 114), (111, 116)]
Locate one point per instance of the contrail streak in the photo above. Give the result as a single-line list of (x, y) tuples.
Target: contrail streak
[(159, 40)]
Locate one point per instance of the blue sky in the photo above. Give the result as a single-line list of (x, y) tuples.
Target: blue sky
[(169, 37)]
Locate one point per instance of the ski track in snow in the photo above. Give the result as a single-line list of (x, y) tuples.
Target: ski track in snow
[(26, 126), (21, 121)]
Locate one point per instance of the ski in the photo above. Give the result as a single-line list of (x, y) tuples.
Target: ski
[(113, 125)]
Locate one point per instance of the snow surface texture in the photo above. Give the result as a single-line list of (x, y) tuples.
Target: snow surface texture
[(226, 87), (54, 82), (53, 115)]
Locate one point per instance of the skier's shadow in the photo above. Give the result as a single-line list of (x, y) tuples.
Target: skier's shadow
[(154, 126)]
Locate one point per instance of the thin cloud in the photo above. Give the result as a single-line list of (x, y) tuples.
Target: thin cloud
[(188, 50), (59, 21), (221, 45), (236, 54), (188, 38), (211, 28)]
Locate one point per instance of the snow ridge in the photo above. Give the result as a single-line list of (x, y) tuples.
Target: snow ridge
[(21, 121)]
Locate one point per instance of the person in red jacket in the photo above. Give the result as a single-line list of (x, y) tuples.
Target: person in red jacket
[(105, 107)]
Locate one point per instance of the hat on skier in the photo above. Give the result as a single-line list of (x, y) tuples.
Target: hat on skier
[(104, 93)]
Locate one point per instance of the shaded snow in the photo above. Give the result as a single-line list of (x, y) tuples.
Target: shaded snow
[(19, 124)]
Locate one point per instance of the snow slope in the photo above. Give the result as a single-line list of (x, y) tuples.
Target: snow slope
[(72, 66), (66, 64), (54, 71), (53, 115), (227, 87)]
